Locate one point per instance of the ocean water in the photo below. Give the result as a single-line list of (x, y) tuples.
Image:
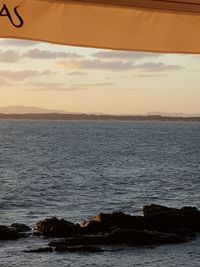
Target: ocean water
[(74, 170)]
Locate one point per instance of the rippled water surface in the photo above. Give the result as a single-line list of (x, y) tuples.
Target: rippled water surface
[(75, 170)]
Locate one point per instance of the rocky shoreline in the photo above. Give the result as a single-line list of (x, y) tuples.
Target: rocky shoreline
[(158, 225)]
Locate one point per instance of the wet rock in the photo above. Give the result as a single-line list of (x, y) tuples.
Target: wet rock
[(39, 250), (159, 224), (36, 233), (166, 219), (107, 222), (53, 227), (92, 227), (190, 218), (20, 227), (79, 249), (120, 219), (121, 237), (136, 237), (85, 240), (185, 233), (149, 210), (70, 249), (7, 233)]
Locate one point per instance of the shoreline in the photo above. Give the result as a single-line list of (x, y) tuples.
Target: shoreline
[(93, 117)]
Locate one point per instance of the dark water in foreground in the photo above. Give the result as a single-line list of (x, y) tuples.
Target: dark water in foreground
[(75, 170)]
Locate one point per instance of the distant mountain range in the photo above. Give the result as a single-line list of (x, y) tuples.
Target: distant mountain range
[(38, 110), (27, 110), (165, 114)]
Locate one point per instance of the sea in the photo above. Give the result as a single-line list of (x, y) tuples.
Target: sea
[(77, 169)]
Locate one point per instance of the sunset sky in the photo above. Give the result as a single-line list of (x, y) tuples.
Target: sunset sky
[(87, 80)]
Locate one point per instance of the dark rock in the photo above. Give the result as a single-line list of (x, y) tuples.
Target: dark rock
[(39, 250), (20, 227), (185, 233), (83, 249), (7, 233), (121, 236), (149, 210), (190, 218), (53, 227), (120, 219), (159, 225), (85, 240), (171, 220), (136, 237), (63, 248), (190, 210), (36, 233), (107, 222), (92, 227)]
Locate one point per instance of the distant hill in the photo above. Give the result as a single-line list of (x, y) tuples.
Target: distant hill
[(27, 110), (165, 114), (93, 117), (37, 112)]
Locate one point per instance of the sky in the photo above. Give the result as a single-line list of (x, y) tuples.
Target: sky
[(87, 80)]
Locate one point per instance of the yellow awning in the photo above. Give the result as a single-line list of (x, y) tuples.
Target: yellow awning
[(139, 25)]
